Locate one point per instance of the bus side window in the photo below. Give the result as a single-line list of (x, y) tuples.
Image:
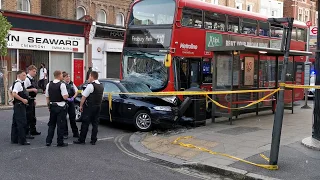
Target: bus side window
[(264, 29), (301, 33), (276, 31), (214, 21), (233, 24), (294, 34), (249, 26), (191, 18)]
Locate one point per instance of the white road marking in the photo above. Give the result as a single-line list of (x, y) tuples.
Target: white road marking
[(121, 147)]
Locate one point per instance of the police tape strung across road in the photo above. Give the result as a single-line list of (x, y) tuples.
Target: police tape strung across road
[(270, 167)]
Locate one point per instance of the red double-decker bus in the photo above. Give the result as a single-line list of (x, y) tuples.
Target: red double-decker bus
[(185, 29)]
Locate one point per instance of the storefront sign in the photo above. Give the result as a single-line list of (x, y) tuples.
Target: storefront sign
[(45, 42), (249, 71), (109, 33), (214, 40)]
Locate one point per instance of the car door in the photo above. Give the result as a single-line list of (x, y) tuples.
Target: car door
[(112, 88)]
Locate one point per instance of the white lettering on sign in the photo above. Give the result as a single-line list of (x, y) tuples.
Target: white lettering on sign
[(245, 43), (188, 46), (45, 42)]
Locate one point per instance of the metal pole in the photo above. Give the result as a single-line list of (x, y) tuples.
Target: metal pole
[(307, 74), (278, 118), (316, 111)]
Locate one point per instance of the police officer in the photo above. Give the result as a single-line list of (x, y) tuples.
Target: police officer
[(90, 105), (30, 85), (73, 92), (19, 120), (57, 94)]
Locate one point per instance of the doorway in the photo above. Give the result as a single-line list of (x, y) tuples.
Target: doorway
[(188, 72)]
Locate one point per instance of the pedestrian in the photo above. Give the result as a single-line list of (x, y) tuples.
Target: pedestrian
[(43, 78), (88, 73), (19, 119), (73, 92), (90, 106), (57, 94), (31, 86)]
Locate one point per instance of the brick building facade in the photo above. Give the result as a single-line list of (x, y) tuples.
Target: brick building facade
[(104, 11), (301, 10), (28, 6)]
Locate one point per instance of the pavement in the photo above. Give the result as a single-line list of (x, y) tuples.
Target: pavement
[(40, 100), (111, 158), (247, 138)]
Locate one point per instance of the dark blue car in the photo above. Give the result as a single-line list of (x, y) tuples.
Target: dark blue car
[(141, 110)]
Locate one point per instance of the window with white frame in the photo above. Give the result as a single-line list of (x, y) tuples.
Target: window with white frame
[(316, 23), (215, 2), (101, 16), (300, 14), (23, 5), (120, 19), (81, 12), (250, 7), (239, 5), (306, 15)]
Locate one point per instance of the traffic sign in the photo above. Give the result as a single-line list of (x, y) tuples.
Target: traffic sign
[(308, 23), (313, 31)]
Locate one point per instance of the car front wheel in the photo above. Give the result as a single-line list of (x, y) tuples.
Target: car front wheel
[(77, 111), (142, 121)]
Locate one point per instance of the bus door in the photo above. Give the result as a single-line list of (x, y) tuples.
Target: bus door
[(188, 73)]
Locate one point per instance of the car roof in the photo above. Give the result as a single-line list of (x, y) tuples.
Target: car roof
[(115, 80)]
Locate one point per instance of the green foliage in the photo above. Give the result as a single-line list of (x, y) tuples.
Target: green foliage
[(4, 30)]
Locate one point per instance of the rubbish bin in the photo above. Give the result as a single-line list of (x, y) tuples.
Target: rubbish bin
[(197, 110)]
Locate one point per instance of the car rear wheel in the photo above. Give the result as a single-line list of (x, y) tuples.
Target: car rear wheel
[(142, 121), (77, 111)]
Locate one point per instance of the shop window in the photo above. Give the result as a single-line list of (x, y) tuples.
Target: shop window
[(120, 19), (24, 6), (81, 11), (233, 24), (102, 16), (249, 26), (215, 21), (301, 35), (191, 18), (264, 29), (276, 31)]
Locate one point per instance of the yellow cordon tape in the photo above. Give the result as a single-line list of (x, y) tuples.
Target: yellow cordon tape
[(270, 167)]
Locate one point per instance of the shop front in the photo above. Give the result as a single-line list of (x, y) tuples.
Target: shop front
[(33, 39), (107, 46)]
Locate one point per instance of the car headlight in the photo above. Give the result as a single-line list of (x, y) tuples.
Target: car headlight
[(170, 99), (162, 108)]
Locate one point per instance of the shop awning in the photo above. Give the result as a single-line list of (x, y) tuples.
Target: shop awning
[(258, 50)]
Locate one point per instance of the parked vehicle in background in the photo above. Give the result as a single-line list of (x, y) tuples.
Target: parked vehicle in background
[(311, 92), (142, 111)]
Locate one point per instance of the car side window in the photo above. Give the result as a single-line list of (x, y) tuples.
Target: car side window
[(111, 88)]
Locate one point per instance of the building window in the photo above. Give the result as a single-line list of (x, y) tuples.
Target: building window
[(306, 15), (300, 12), (215, 2), (316, 23), (250, 7), (120, 19), (23, 5), (239, 5), (80, 12), (102, 16)]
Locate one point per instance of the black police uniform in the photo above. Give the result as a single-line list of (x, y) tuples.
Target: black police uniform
[(91, 111), (31, 114), (71, 112), (57, 114), (19, 120)]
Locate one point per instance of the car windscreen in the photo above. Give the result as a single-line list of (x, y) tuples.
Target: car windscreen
[(136, 87)]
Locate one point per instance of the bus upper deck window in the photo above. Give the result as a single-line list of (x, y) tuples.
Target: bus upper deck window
[(276, 31), (301, 33), (215, 21), (233, 24), (191, 18), (264, 29), (249, 26)]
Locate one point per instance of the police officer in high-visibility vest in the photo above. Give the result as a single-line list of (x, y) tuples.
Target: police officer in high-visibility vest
[(57, 94), (19, 119), (31, 86), (73, 92), (90, 105)]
